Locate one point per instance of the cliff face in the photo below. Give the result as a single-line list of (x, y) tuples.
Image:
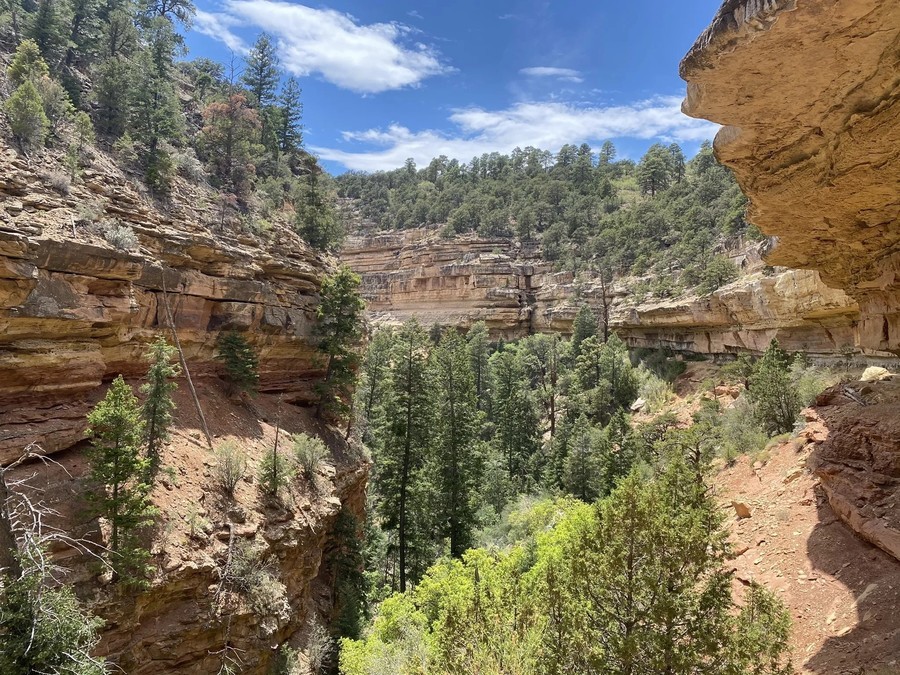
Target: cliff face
[(460, 281), (810, 96), (75, 311)]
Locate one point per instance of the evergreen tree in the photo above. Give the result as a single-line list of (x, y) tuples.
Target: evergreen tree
[(517, 431), (44, 630), (117, 470), (584, 326), (479, 353), (339, 329), (404, 442), (158, 404), (455, 440), (261, 74), (27, 64), (605, 378), (290, 119), (155, 115), (316, 220), (227, 143), (582, 475), (241, 362), (655, 170), (375, 381), (543, 357), (775, 398), (49, 29), (27, 120), (111, 92)]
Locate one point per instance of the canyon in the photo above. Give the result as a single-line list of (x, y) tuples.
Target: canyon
[(76, 311), (509, 286)]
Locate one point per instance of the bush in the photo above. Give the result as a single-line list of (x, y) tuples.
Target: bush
[(739, 431), (231, 466), (58, 181), (275, 472), (811, 380), (241, 363), (255, 578), (188, 166), (120, 236), (319, 649), (309, 452), (26, 115)]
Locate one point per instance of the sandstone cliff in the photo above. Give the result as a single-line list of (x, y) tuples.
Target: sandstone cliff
[(76, 310), (463, 280), (810, 95)]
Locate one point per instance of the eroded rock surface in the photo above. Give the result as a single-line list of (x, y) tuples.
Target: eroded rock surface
[(809, 92), (75, 310), (459, 281)]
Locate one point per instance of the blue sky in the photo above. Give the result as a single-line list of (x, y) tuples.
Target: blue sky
[(388, 80)]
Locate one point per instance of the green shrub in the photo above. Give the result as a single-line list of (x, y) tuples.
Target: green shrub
[(241, 362), (275, 472), (309, 452), (27, 120), (776, 400), (231, 466), (256, 579)]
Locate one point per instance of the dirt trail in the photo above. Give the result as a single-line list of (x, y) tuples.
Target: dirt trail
[(842, 593)]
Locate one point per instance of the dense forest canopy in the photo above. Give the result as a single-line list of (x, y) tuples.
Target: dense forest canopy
[(115, 76), (588, 209)]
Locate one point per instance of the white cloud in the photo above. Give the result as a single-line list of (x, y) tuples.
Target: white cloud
[(547, 125), (218, 27), (565, 74), (366, 59)]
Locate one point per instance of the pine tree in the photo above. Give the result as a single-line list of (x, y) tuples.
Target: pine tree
[(479, 353), (27, 64), (375, 381), (290, 119), (404, 442), (775, 398), (582, 474), (49, 29), (261, 74), (118, 471), (241, 362), (584, 326), (158, 404), (316, 220), (455, 459), (516, 423), (339, 329), (27, 120), (227, 142)]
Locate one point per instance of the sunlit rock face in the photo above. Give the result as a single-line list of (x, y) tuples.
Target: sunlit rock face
[(509, 286), (809, 93)]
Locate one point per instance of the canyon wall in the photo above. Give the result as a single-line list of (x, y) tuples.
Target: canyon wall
[(809, 93), (76, 311), (79, 303), (459, 281)]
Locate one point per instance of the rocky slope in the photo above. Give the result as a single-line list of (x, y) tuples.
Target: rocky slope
[(810, 96), (507, 285), (76, 310)]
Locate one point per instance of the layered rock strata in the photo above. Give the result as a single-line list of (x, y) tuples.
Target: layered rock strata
[(809, 93), (460, 281), (75, 310)]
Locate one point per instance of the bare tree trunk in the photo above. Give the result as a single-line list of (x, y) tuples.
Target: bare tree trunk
[(9, 561), (184, 365)]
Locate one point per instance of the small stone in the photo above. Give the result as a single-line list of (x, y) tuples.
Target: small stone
[(792, 475), (638, 405), (741, 509)]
